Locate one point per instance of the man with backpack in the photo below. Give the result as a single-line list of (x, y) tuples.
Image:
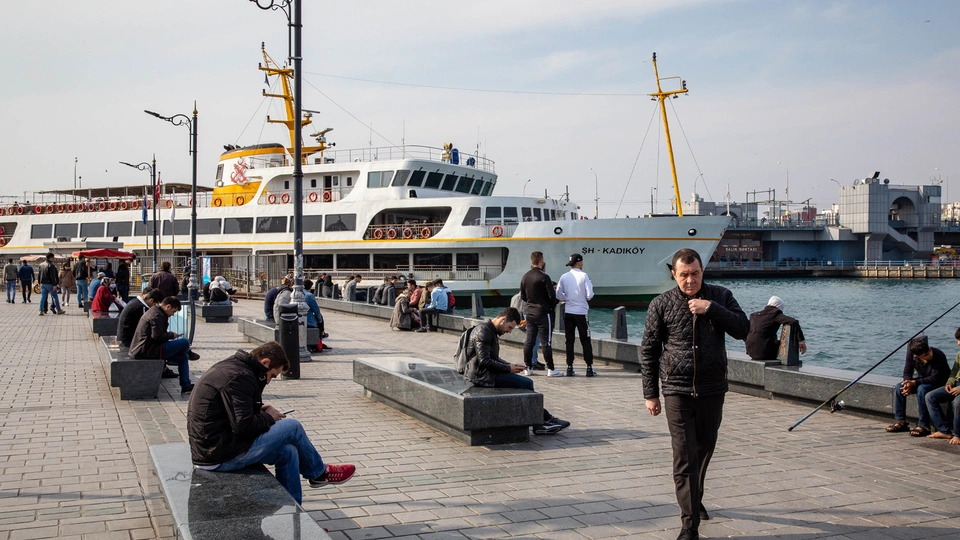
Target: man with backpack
[(478, 359)]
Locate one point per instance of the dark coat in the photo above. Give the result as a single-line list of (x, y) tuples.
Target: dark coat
[(49, 275), (268, 301), (81, 271), (151, 332), (936, 371), (166, 282), (402, 317), (687, 351), (129, 319), (483, 356), (123, 275), (763, 343), (25, 272), (224, 416), (536, 289)]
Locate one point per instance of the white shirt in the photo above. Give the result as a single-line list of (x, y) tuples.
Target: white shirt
[(576, 289)]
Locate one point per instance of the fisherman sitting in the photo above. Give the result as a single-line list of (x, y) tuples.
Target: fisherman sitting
[(762, 341), (924, 370)]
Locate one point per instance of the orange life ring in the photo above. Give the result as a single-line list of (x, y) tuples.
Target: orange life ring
[(497, 230), (378, 234), (285, 198), (391, 233), (38, 209), (408, 233), (71, 208), (191, 202), (169, 203), (312, 197), (124, 205), (11, 210), (3, 242), (60, 208), (19, 210), (113, 205), (49, 209), (327, 196), (3, 211), (91, 207), (81, 207), (425, 232), (240, 201), (3, 232), (272, 198), (102, 206), (217, 202)]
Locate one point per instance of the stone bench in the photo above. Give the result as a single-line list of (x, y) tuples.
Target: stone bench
[(216, 313), (104, 323), (439, 397), (261, 331), (136, 379), (245, 504)]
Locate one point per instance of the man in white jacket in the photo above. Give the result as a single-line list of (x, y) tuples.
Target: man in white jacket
[(576, 289)]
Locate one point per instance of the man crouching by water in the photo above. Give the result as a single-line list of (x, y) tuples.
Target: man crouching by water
[(683, 343), (486, 368), (230, 428)]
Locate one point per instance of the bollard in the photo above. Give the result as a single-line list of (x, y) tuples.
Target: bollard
[(476, 306), (619, 328), (289, 328), (337, 295), (789, 354), (560, 312), (391, 296)]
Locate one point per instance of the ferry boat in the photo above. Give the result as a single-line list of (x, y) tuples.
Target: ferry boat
[(413, 210)]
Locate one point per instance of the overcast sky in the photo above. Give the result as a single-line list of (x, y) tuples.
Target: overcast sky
[(830, 90)]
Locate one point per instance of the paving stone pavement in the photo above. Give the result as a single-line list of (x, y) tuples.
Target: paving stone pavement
[(74, 459)]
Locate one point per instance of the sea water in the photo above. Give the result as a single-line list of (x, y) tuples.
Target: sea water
[(848, 323)]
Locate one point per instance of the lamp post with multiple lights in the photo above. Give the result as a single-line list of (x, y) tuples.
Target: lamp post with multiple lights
[(191, 123), (152, 167)]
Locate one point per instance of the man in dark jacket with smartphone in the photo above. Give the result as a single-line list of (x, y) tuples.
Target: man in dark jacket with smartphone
[(536, 289), (153, 340), (230, 428), (130, 317), (684, 345)]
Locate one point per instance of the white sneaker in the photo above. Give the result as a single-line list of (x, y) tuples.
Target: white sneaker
[(554, 373), (527, 372)]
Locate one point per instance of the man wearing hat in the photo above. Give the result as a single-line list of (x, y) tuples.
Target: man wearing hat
[(762, 341), (576, 289)]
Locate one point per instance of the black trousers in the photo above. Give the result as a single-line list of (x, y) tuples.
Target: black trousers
[(26, 287), (428, 314), (694, 424), (539, 324), (579, 324)]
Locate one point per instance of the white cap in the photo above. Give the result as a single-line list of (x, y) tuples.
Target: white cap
[(776, 302)]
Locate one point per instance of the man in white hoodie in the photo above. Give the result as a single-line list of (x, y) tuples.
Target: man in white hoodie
[(576, 289)]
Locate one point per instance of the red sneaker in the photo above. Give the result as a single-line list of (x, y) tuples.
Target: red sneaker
[(335, 474)]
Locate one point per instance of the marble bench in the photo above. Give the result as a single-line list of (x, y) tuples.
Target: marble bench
[(438, 396), (104, 322), (216, 313), (261, 331), (136, 378), (245, 504)]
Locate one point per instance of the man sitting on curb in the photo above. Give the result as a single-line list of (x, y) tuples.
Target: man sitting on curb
[(230, 428), (946, 394), (486, 368), (931, 369)]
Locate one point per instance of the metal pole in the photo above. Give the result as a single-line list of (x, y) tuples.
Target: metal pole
[(193, 227), (153, 181), (299, 297)]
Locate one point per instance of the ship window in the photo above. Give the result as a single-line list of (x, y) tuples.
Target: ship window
[(275, 224), (468, 260), (573, 216), (416, 179), (208, 226), (65, 230), (41, 231), (487, 187), (219, 171), (472, 217), (180, 226), (119, 228), (477, 186), (400, 178), (385, 178), (139, 229), (310, 224), (493, 215), (341, 222), (536, 214), (525, 212), (433, 259), (449, 182), (354, 261), (238, 225), (91, 230), (349, 181), (373, 179), (553, 215), (313, 182), (323, 261), (433, 180), (510, 214), (391, 261), (286, 184), (463, 185)]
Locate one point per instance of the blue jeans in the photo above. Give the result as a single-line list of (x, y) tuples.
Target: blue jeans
[(81, 292), (11, 290), (175, 352), (934, 399), (45, 290), (286, 446), (900, 403)]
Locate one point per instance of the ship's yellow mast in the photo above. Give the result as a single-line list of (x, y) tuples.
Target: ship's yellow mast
[(661, 96), (286, 74)]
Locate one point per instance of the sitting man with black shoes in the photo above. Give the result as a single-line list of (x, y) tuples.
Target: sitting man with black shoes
[(486, 368), (153, 340), (230, 428)]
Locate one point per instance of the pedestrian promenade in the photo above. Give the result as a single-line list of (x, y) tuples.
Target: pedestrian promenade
[(74, 462)]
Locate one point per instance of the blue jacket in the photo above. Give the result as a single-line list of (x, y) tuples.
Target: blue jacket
[(438, 299), (25, 273), (313, 312)]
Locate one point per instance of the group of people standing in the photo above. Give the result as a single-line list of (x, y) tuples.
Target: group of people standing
[(56, 283)]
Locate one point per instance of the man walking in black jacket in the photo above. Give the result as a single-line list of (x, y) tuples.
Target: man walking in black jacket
[(683, 344), (49, 279), (536, 289), (230, 428)]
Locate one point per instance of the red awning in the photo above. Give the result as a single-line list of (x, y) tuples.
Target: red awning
[(105, 254)]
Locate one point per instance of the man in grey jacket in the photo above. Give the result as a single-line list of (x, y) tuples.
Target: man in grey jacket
[(10, 276), (683, 343)]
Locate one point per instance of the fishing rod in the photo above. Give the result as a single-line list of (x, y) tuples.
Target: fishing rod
[(836, 406)]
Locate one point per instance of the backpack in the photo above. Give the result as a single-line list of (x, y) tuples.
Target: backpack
[(460, 357), (451, 299)]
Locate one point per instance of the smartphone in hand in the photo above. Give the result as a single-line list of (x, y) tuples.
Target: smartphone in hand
[(288, 411)]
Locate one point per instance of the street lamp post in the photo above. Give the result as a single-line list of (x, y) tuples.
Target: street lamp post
[(525, 186), (596, 194), (152, 167), (191, 123)]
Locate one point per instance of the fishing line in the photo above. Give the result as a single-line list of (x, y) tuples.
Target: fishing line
[(637, 159), (836, 407), (690, 148)]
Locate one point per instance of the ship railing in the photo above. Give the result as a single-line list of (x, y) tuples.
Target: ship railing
[(310, 195), (830, 263), (405, 231), (407, 152), (459, 273)]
